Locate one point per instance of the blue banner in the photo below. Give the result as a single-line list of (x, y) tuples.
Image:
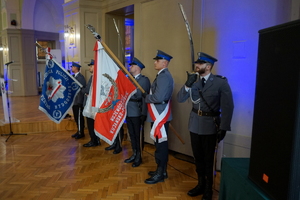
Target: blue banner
[(59, 91)]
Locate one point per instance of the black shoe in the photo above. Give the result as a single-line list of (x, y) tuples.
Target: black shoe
[(111, 147), (98, 142), (137, 163), (158, 177), (117, 150), (75, 134), (130, 159), (79, 136), (118, 146), (138, 159), (198, 190), (90, 144), (68, 116), (151, 173)]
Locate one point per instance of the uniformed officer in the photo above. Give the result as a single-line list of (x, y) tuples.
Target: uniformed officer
[(95, 141), (136, 112), (210, 96), (160, 115), (78, 102)]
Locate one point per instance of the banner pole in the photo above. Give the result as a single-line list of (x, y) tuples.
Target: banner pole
[(112, 55)]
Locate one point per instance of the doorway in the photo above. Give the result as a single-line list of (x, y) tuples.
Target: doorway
[(120, 33)]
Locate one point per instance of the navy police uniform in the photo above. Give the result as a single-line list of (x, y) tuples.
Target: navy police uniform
[(78, 104), (162, 89), (95, 141), (202, 126), (136, 114)]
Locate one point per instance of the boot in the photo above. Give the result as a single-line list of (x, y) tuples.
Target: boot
[(80, 135), (111, 147), (91, 144), (157, 177), (165, 173), (138, 160), (75, 134), (131, 158), (118, 148), (119, 140), (199, 189), (207, 195), (98, 141)]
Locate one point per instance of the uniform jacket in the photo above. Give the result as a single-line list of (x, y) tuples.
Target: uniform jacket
[(79, 98), (136, 106), (218, 96), (162, 89), (86, 90)]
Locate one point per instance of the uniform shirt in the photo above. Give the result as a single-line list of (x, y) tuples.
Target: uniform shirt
[(136, 105), (162, 89), (218, 96)]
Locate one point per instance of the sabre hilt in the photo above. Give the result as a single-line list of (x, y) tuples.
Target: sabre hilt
[(92, 29), (45, 50)]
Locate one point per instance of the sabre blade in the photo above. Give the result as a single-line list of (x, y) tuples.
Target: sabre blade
[(120, 39), (188, 28)]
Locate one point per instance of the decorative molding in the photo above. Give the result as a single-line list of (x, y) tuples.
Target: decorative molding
[(146, 1), (114, 3)]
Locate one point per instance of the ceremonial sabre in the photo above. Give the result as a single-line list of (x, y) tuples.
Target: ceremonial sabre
[(189, 33), (120, 39)]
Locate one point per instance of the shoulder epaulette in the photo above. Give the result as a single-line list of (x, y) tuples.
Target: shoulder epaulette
[(222, 77)]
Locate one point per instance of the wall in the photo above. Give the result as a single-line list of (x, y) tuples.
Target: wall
[(227, 30), (230, 32), (32, 17)]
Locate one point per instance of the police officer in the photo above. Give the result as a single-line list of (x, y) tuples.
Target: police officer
[(210, 96), (136, 112), (78, 102), (95, 141), (159, 113)]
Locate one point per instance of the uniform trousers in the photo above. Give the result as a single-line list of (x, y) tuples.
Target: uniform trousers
[(90, 124), (162, 149), (134, 128), (203, 147), (77, 111)]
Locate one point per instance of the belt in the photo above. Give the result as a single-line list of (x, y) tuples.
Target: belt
[(202, 113), (164, 102), (136, 100)]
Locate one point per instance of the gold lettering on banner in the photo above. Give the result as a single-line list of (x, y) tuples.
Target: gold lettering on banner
[(119, 113)]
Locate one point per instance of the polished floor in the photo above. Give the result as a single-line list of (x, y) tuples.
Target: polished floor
[(52, 165)]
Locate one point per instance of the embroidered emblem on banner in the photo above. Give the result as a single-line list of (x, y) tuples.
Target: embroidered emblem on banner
[(111, 97)]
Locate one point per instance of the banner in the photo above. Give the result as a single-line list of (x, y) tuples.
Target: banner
[(59, 91), (6, 103), (110, 92)]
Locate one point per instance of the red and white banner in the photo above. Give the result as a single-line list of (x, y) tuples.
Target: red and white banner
[(111, 90)]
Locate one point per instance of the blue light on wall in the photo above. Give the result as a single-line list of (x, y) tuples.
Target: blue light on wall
[(129, 51)]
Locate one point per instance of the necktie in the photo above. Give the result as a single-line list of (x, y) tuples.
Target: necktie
[(203, 82)]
